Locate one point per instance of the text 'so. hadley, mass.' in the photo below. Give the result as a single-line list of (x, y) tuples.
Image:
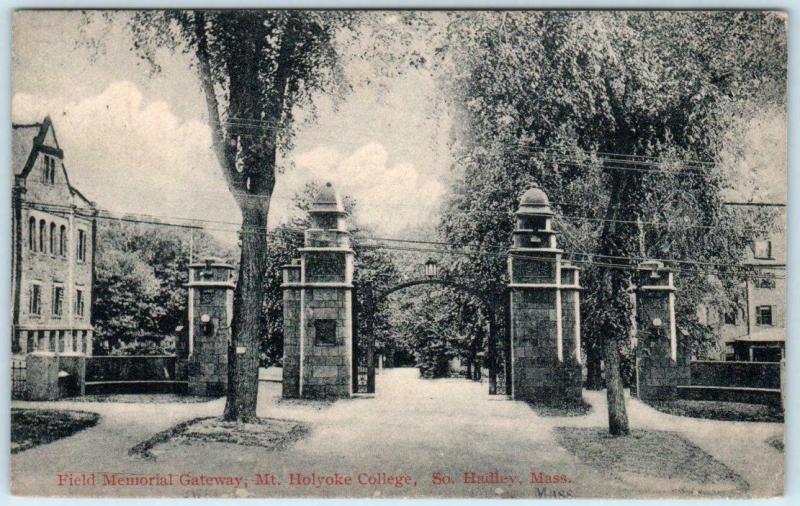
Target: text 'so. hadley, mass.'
[(398, 254)]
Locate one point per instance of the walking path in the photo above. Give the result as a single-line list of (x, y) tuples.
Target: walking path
[(411, 427)]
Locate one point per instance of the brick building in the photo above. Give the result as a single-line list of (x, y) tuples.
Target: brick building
[(755, 330), (53, 248)]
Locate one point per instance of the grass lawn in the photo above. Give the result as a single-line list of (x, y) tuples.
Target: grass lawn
[(268, 433), (649, 458), (720, 410), (34, 427)]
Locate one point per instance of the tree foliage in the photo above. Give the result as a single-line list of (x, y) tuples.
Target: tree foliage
[(139, 289), (256, 69), (619, 117)]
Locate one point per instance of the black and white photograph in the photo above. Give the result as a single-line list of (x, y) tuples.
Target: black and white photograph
[(453, 254)]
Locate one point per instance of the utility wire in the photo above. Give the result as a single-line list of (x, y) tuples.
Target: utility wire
[(458, 249), (665, 224)]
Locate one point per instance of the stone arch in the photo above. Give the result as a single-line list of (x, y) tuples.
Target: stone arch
[(542, 312), (489, 306)]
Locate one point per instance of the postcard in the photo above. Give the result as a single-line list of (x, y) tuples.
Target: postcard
[(398, 253)]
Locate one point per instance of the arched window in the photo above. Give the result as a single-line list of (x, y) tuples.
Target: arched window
[(62, 241), (53, 238), (32, 234), (42, 236)]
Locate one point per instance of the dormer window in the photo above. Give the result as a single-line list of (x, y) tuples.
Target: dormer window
[(49, 169)]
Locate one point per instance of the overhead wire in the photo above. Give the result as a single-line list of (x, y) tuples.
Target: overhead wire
[(453, 247)]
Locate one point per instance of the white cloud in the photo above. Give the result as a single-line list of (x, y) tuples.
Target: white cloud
[(130, 155), (389, 196)]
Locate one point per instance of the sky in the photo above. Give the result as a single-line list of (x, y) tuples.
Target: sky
[(137, 142)]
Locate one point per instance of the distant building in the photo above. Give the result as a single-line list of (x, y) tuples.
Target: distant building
[(755, 331), (53, 248)]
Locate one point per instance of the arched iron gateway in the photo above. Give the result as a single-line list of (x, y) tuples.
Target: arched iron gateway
[(498, 357), (543, 309)]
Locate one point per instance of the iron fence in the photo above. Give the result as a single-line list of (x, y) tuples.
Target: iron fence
[(18, 375)]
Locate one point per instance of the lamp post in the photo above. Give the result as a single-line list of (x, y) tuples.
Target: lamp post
[(431, 268)]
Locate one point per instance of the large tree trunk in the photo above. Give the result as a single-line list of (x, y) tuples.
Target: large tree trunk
[(615, 393), (252, 187), (246, 325)]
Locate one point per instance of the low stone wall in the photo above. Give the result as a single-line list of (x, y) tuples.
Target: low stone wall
[(750, 382), (738, 374), (42, 376), (75, 366), (130, 368), (132, 374)]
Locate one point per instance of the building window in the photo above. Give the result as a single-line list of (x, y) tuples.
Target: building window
[(49, 169), (730, 352), (79, 303), (766, 353), (58, 300), (763, 315), (325, 332), (62, 241), (81, 245), (762, 249), (730, 317), (35, 299), (42, 236), (32, 234), (53, 238), (765, 282)]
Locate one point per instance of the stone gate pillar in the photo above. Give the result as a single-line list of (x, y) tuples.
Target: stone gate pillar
[(571, 312), (318, 307), (660, 364), (544, 312), (211, 288)]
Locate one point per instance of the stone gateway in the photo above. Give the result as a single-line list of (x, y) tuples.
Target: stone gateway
[(318, 307)]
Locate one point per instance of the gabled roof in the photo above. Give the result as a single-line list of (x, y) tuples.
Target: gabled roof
[(26, 139), (22, 141)]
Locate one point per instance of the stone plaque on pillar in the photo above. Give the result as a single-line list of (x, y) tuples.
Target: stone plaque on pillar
[(211, 288), (318, 307), (545, 313)]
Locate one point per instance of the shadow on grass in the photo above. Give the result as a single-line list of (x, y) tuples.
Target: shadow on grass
[(34, 427), (651, 460), (269, 433), (720, 410), (565, 409), (776, 442)]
